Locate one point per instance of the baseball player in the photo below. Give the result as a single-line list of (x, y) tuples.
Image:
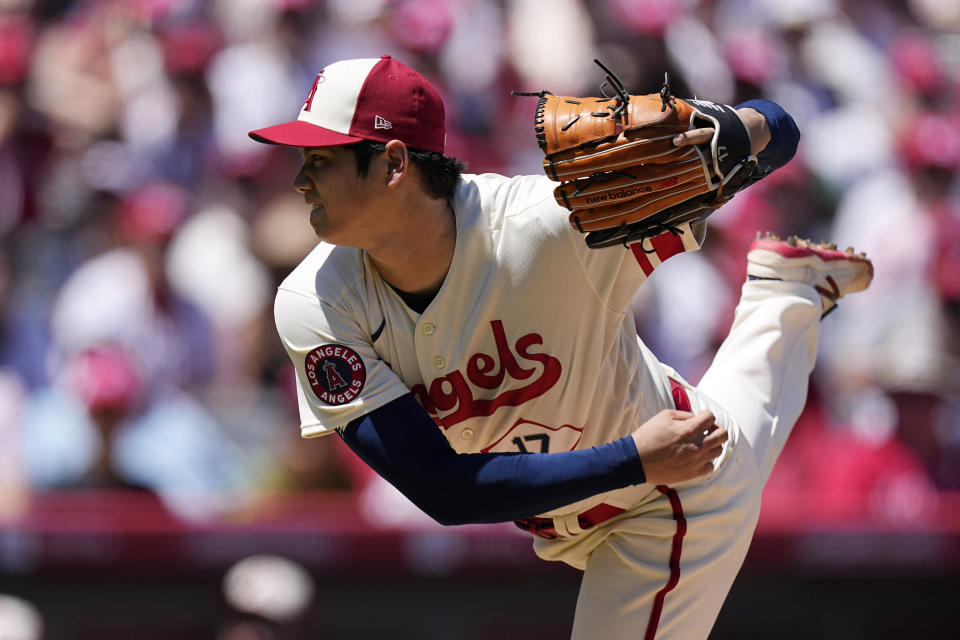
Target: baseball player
[(462, 338)]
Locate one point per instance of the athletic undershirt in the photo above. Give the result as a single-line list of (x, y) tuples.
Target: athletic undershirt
[(416, 301), (784, 137), (401, 443)]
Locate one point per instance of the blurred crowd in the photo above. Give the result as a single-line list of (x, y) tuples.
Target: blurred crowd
[(261, 597), (142, 234)]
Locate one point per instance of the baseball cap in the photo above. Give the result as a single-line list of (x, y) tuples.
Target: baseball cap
[(377, 99)]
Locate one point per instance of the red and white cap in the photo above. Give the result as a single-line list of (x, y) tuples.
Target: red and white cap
[(377, 99)]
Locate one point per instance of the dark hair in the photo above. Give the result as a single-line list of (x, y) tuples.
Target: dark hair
[(439, 174)]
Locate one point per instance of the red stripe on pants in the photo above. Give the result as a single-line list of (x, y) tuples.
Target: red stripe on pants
[(674, 560), (682, 402), (680, 398)]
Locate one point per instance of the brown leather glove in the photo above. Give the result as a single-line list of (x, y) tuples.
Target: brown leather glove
[(620, 174)]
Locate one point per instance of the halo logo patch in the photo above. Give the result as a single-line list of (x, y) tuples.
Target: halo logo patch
[(335, 373)]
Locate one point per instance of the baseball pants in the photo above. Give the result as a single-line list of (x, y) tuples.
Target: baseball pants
[(665, 571)]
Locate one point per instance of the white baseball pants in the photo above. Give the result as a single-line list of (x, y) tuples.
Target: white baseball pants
[(664, 572)]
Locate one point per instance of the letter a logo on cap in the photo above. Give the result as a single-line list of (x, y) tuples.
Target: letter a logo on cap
[(381, 123), (308, 103)]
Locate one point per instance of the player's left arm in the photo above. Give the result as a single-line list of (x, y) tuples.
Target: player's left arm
[(617, 274), (774, 135)]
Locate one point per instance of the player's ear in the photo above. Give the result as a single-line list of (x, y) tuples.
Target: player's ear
[(397, 162)]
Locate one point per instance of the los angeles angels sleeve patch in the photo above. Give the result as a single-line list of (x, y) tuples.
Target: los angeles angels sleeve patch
[(336, 373)]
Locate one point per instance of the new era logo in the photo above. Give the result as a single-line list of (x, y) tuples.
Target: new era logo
[(381, 123)]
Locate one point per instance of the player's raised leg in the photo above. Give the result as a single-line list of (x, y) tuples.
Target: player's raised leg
[(760, 373)]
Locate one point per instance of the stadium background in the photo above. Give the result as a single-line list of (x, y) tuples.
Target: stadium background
[(148, 428)]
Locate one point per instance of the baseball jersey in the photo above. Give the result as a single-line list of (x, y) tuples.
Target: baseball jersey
[(529, 345)]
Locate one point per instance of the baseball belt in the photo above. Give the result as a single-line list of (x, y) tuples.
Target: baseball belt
[(545, 527)]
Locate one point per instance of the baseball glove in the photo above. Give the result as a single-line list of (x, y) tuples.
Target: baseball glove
[(620, 174)]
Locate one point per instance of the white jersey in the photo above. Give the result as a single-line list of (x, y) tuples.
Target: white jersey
[(530, 344)]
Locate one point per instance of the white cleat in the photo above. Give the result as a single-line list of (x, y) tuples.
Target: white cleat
[(832, 273)]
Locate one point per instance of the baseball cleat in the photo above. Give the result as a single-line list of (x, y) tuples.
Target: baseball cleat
[(832, 273)]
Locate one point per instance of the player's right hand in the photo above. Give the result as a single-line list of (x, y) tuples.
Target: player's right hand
[(675, 446)]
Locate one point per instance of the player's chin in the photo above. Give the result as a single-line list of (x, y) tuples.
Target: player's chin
[(326, 230), (318, 220)]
